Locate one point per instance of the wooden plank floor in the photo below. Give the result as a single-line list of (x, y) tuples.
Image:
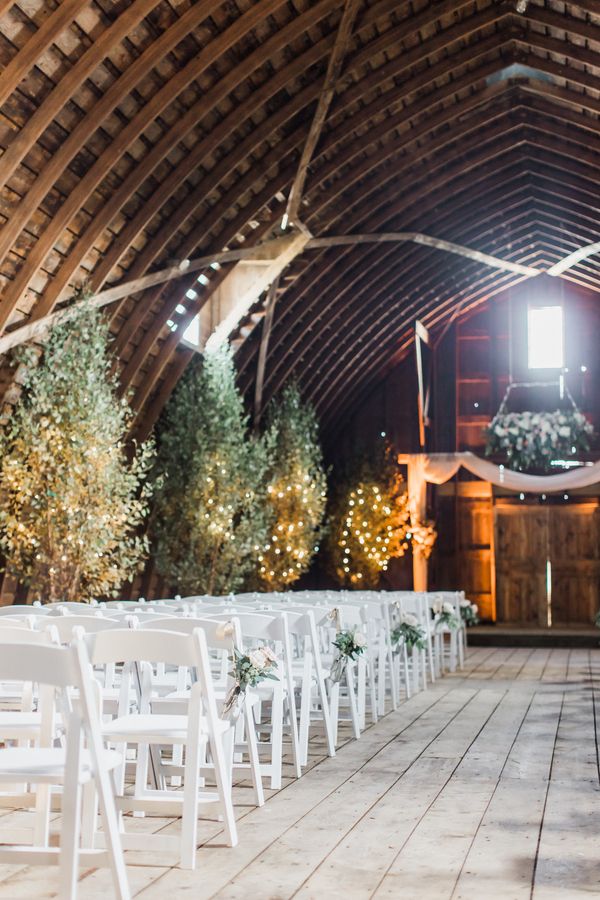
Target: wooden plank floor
[(485, 786)]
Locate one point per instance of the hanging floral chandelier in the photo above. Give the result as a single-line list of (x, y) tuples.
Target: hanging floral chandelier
[(531, 440)]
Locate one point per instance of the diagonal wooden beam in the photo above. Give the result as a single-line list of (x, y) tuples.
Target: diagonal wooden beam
[(334, 67), (264, 349), (573, 258), (278, 253), (267, 252)]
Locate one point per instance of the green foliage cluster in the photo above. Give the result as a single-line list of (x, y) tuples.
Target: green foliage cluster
[(71, 501), (235, 510), (211, 514)]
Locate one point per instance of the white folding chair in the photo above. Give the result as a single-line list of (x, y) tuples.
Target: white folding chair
[(224, 637), (58, 671), (272, 628), (199, 731)]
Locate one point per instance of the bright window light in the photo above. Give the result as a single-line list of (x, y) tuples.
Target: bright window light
[(192, 332), (545, 344)]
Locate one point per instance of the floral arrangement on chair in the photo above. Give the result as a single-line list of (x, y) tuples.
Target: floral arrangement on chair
[(530, 440), (408, 631), (468, 612), (249, 669), (445, 615), (350, 645)]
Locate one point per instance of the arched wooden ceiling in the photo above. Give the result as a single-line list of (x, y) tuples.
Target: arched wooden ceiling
[(139, 132)]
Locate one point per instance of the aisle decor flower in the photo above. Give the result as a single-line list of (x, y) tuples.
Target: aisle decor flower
[(469, 613), (408, 631), (445, 615), (350, 645), (531, 440), (249, 670)]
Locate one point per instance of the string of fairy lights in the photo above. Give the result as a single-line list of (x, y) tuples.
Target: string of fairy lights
[(374, 530), (297, 511)]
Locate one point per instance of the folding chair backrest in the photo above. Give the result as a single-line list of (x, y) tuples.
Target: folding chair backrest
[(40, 662), (22, 609), (74, 609), (141, 645), (27, 622), (67, 626), (17, 634)]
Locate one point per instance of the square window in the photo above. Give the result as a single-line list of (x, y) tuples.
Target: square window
[(545, 338)]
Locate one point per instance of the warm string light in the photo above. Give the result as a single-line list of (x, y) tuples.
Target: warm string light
[(372, 531), (298, 509)]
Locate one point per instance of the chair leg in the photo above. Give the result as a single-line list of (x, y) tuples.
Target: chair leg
[(291, 703), (352, 700), (253, 755), (394, 685), (276, 738), (223, 782), (41, 829), (430, 655), (89, 815), (334, 709), (361, 695), (110, 824), (191, 786), (141, 773), (305, 702), (326, 712), (405, 670), (71, 814)]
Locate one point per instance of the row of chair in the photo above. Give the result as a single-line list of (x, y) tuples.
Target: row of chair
[(140, 709)]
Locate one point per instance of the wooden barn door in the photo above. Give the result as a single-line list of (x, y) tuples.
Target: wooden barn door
[(522, 541), (575, 546), (547, 562)]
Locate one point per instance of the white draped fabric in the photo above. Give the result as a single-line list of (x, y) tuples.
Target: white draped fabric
[(440, 467), (436, 468)]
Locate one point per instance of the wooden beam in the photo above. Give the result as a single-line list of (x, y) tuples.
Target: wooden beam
[(573, 258), (331, 77), (40, 327), (416, 238), (264, 349)]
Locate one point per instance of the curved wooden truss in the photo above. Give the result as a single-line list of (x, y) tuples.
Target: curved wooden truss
[(140, 136)]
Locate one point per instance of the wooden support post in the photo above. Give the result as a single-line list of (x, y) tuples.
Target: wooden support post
[(264, 349)]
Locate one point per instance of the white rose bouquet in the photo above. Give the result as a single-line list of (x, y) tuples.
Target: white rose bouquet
[(249, 669), (445, 615), (468, 613), (350, 645), (408, 631)]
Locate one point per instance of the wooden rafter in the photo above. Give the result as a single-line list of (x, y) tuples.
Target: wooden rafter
[(188, 136), (334, 67)]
